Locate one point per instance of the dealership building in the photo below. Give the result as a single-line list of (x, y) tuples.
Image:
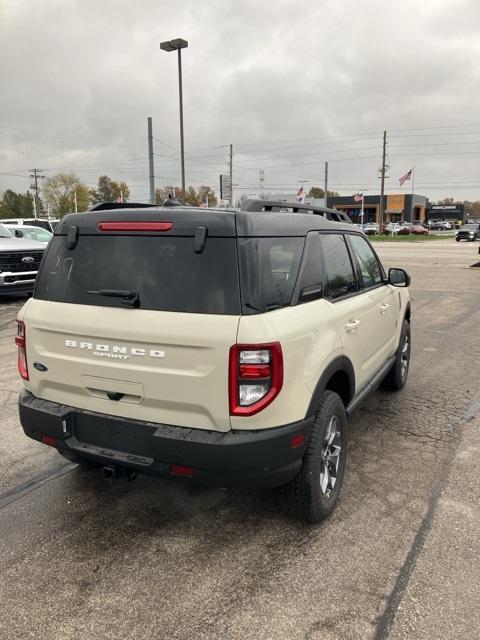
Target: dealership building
[(397, 207), (451, 212)]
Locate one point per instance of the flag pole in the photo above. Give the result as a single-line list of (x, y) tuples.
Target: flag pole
[(361, 214), (413, 187)]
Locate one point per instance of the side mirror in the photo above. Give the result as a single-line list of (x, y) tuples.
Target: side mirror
[(307, 294), (398, 277)]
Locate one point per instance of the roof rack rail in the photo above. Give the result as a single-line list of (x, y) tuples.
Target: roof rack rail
[(284, 206)]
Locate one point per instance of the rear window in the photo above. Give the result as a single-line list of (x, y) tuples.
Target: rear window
[(269, 270), (165, 272)]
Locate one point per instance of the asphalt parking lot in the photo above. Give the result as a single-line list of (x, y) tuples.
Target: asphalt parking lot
[(80, 558)]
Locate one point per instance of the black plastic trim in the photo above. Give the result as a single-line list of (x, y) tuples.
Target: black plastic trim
[(340, 364), (259, 458), (370, 386)]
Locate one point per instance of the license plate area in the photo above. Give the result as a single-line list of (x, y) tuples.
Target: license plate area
[(113, 434)]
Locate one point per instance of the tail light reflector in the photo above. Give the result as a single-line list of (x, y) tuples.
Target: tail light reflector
[(181, 470), (50, 440), (255, 377), (297, 441), (20, 341), (134, 226)]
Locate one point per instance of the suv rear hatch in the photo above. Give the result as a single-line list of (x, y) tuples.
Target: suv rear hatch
[(134, 314)]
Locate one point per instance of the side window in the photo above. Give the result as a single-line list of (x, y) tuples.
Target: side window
[(369, 265), (311, 278), (338, 266)]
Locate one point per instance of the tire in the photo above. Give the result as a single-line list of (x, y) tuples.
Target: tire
[(313, 493), (457, 239), (397, 376)]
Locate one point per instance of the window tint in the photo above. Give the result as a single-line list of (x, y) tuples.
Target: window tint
[(368, 263), (166, 273), (312, 264), (269, 270), (338, 266)]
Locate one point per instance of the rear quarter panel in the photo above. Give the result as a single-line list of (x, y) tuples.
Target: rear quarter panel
[(309, 341)]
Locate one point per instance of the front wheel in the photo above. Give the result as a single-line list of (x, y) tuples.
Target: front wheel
[(397, 376), (313, 493)]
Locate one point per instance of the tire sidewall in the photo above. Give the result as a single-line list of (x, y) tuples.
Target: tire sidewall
[(398, 364), (330, 405)]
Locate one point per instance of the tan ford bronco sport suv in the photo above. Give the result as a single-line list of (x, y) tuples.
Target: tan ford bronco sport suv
[(226, 348)]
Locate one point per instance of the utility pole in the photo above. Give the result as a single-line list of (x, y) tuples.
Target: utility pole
[(230, 202), (261, 175), (326, 184), (383, 170), (36, 175), (151, 173)]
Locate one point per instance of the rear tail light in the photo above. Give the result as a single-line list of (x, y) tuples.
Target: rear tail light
[(20, 341), (256, 377)]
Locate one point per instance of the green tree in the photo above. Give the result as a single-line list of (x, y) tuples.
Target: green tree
[(83, 197), (319, 193), (206, 194), (162, 194), (59, 193), (109, 190), (16, 205), (446, 201), (191, 197)]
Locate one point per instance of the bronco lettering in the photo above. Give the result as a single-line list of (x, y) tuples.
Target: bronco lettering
[(114, 351)]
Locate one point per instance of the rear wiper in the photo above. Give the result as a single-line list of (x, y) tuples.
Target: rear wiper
[(129, 298)]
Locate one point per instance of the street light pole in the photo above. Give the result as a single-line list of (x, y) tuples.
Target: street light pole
[(177, 45), (180, 97)]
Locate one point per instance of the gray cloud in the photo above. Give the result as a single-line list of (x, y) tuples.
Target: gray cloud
[(290, 84)]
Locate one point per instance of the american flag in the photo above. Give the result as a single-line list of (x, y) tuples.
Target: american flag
[(406, 177), (301, 194), (358, 197)]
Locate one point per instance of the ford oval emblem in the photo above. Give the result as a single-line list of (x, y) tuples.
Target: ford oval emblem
[(40, 367), (28, 260)]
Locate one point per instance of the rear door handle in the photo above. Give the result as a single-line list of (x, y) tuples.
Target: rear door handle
[(383, 308), (352, 326)]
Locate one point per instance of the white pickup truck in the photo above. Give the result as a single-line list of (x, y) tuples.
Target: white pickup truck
[(19, 263)]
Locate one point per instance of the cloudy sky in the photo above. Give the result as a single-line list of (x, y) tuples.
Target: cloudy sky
[(291, 84)]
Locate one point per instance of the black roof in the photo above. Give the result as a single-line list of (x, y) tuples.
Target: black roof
[(219, 222)]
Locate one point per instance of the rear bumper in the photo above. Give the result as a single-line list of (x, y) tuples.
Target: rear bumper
[(249, 459)]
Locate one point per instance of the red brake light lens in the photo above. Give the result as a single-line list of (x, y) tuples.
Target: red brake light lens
[(134, 226), (254, 371), (20, 341), (255, 377)]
